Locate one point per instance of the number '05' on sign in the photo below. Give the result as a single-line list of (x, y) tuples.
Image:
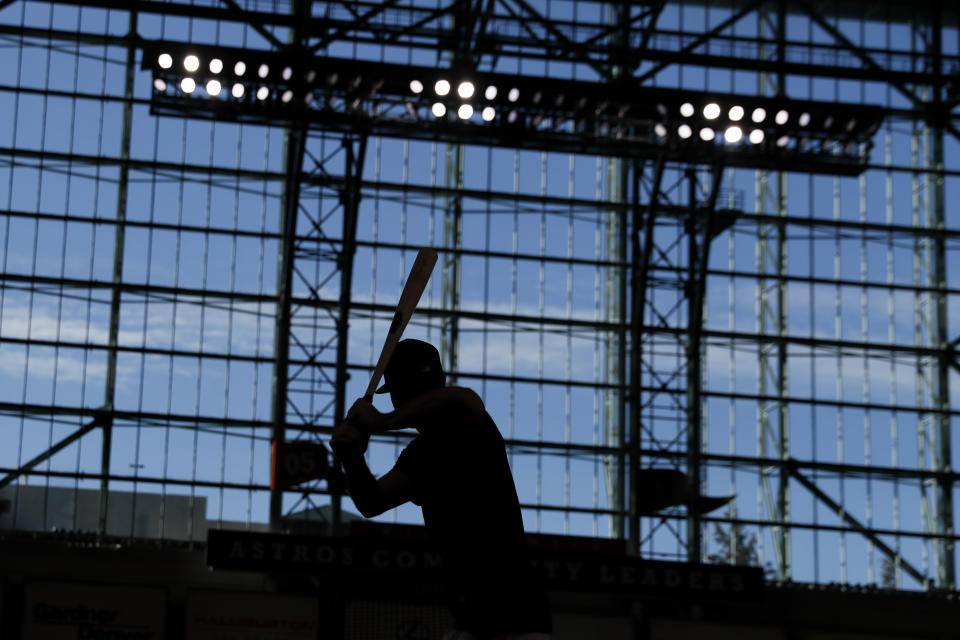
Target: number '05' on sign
[(296, 462)]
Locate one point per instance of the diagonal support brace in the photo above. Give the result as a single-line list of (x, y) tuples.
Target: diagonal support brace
[(856, 524), (99, 420)]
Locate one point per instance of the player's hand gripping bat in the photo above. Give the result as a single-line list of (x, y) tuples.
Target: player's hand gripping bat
[(299, 461)]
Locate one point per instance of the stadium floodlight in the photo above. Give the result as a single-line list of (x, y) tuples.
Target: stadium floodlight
[(610, 118), (465, 90), (191, 63)]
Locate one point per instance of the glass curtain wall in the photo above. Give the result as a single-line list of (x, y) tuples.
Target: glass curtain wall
[(143, 262)]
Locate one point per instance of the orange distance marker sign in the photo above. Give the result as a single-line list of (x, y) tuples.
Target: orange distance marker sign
[(297, 461)]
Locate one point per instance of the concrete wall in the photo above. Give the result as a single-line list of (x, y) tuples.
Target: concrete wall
[(140, 515), (374, 606)]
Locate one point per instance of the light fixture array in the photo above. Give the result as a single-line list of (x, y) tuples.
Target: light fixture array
[(618, 119), (771, 125)]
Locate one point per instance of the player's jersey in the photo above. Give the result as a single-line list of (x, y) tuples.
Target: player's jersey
[(462, 481)]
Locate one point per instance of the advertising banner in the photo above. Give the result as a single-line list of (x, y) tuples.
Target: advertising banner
[(238, 615), (76, 611), (405, 560), (684, 630)]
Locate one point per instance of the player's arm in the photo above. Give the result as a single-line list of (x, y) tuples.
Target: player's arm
[(371, 496), (432, 409)]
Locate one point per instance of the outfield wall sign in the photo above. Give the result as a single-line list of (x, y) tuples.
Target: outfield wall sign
[(414, 559), (237, 615), (76, 611)]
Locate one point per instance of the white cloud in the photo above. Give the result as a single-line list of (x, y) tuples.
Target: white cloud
[(67, 366)]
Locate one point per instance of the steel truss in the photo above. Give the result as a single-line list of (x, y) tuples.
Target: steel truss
[(663, 220)]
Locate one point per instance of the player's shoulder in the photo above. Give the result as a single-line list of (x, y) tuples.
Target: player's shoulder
[(473, 406), (467, 394)]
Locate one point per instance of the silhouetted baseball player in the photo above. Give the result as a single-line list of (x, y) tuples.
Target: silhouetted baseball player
[(456, 470)]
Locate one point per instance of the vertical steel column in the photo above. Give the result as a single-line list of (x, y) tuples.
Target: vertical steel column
[(777, 371), (921, 268), (452, 239), (295, 142), (110, 383), (616, 351), (639, 279), (783, 416), (615, 289), (941, 400), (350, 199), (467, 23), (639, 282), (700, 227), (694, 325), (639, 263)]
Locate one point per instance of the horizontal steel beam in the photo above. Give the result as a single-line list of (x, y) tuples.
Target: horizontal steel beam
[(521, 323), (545, 259), (187, 172), (518, 445), (411, 35), (679, 516), (531, 323)]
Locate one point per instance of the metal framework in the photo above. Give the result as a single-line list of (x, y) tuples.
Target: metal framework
[(158, 270)]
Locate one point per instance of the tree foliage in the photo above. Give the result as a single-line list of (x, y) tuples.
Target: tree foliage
[(734, 545), (888, 573)]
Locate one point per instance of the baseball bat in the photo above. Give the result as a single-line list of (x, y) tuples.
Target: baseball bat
[(412, 290)]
